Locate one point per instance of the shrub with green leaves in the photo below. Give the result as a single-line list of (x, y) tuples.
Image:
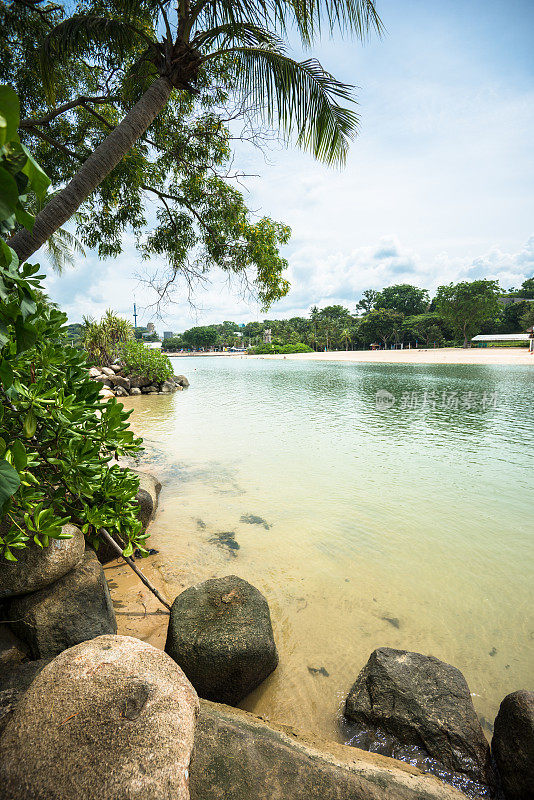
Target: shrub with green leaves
[(58, 443), (276, 349), (102, 340), (137, 359)]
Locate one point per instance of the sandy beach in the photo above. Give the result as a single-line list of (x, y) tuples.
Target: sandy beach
[(447, 355)]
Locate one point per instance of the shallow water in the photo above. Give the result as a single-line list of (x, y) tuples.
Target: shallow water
[(405, 526)]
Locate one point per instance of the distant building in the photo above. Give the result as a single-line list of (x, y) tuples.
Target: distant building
[(151, 328), (267, 336), (167, 334)]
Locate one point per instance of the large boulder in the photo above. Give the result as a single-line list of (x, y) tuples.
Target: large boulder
[(75, 608), (120, 381), (220, 633), (181, 380), (168, 387), (513, 745), (94, 372), (36, 567), (113, 718), (412, 706), (138, 381), (240, 757), (13, 685)]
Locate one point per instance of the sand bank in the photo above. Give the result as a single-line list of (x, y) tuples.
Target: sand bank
[(446, 355)]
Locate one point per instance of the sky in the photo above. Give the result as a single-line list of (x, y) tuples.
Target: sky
[(438, 186)]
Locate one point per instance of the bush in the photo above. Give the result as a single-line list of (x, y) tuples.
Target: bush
[(57, 440), (150, 361), (275, 349), (102, 340)]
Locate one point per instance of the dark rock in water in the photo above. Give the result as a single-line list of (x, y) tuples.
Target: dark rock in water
[(513, 745), (151, 552), (251, 519), (486, 723), (110, 719), (493, 651), (181, 380), (75, 608), (240, 757), (319, 671), (226, 539), (392, 621), (220, 634), (409, 700), (201, 524)]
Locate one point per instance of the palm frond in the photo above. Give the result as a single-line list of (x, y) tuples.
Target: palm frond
[(87, 35), (301, 97), (243, 33)]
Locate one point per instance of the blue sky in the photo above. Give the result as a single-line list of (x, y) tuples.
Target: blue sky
[(438, 185)]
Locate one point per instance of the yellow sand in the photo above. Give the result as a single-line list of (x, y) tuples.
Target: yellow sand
[(445, 355)]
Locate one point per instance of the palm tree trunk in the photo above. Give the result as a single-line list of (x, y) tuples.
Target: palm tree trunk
[(93, 171)]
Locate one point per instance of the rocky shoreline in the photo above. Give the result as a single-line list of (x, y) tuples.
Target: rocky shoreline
[(410, 725), (116, 382)]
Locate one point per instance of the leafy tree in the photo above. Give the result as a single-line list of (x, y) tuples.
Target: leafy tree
[(426, 327), (202, 336), (402, 297), (467, 305), (150, 63), (173, 344), (367, 301), (58, 443), (381, 323), (527, 289), (527, 320)]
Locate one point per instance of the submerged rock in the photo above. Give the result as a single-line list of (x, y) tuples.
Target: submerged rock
[(513, 745), (181, 380), (226, 540), (409, 705), (36, 568), (240, 757), (75, 608), (110, 719), (252, 519), (220, 633)]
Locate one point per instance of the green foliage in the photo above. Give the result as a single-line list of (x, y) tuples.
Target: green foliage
[(527, 289), (467, 305), (102, 340), (381, 323), (527, 320), (138, 359), (173, 344), (203, 336), (274, 349), (404, 298), (57, 441)]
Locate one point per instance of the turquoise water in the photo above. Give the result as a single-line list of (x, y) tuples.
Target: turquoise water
[(406, 526)]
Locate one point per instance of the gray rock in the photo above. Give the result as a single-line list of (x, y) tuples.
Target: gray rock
[(181, 380), (421, 707), (513, 745), (240, 757), (113, 718), (149, 390), (36, 568), (12, 650), (220, 633), (138, 381), (104, 380), (120, 392), (118, 380), (94, 372), (135, 390), (13, 685), (108, 372), (116, 367), (75, 608), (167, 387)]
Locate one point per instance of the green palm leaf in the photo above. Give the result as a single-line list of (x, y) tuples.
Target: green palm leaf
[(88, 35), (300, 97)]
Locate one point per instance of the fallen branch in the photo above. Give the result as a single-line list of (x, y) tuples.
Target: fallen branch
[(113, 544)]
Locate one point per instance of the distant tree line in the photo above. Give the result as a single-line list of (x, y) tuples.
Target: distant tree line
[(399, 314)]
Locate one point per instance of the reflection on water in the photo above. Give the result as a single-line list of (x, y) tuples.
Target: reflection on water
[(405, 526)]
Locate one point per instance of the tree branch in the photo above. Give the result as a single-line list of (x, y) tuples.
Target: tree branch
[(56, 112)]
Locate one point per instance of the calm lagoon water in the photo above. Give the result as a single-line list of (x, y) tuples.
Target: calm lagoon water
[(408, 525)]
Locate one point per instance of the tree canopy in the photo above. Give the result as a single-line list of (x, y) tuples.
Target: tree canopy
[(466, 305)]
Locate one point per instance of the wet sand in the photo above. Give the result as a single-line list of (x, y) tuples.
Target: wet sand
[(446, 355)]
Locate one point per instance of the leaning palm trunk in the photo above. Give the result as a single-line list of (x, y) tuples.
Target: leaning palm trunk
[(93, 171)]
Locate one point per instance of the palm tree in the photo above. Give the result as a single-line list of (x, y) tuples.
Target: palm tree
[(314, 315), (243, 37)]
